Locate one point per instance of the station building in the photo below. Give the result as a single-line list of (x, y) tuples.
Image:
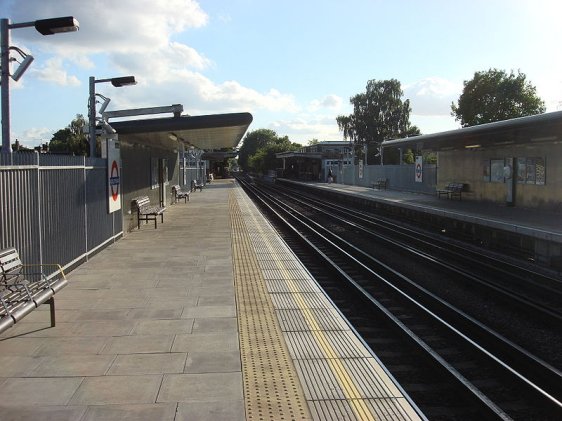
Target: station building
[(313, 162)]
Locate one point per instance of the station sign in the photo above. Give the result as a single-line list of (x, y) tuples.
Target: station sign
[(113, 175), (419, 169)]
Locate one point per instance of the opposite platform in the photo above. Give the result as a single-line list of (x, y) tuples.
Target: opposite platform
[(208, 317)]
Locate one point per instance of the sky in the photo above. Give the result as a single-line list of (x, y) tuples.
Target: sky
[(293, 65)]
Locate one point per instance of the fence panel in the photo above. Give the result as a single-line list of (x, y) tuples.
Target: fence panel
[(54, 207)]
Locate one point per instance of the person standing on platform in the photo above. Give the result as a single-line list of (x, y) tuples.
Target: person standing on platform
[(330, 176)]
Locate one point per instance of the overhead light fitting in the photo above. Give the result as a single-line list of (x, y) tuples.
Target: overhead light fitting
[(56, 25), (43, 26), (123, 81)]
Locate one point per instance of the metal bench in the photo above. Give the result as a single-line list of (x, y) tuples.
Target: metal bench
[(380, 184), (147, 212), (197, 184), (23, 288), (451, 190), (178, 193)]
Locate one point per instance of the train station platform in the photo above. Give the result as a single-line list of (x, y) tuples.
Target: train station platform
[(542, 227), (208, 317)]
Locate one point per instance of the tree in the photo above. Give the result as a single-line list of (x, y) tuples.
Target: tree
[(378, 114), (71, 139), (252, 142), (494, 95), (264, 159)]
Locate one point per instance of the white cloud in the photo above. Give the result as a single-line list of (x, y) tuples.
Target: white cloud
[(35, 136), (107, 25), (304, 128), (432, 96), (53, 71), (329, 101)]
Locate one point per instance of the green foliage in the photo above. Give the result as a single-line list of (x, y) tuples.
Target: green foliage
[(430, 158), (259, 148), (232, 164), (312, 142), (264, 159), (252, 142), (71, 140), (408, 157), (378, 114), (494, 95)]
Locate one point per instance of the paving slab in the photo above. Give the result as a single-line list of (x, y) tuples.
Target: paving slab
[(42, 413), (146, 412), (200, 387), (39, 391), (136, 364), (211, 411), (105, 390)]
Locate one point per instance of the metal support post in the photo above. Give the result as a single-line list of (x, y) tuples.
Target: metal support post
[(92, 117), (5, 81)]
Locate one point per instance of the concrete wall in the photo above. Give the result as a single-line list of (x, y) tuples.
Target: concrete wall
[(469, 166)]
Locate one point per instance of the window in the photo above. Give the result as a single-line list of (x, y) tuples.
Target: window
[(496, 170)]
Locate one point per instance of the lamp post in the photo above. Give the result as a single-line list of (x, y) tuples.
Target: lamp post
[(117, 82), (43, 26)]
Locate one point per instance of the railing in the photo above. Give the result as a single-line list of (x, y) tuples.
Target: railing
[(53, 208)]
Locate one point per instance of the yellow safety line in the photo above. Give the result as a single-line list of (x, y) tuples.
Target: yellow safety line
[(270, 380), (351, 392)]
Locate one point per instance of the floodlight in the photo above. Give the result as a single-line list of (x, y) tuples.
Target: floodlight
[(22, 67)]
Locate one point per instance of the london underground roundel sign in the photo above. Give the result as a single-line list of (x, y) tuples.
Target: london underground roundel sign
[(114, 181)]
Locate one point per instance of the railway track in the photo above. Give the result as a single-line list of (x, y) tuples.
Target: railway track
[(451, 364)]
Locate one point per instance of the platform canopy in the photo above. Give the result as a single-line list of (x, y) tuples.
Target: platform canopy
[(206, 132), (524, 130)]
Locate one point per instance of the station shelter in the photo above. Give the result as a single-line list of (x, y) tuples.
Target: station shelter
[(314, 162), (157, 153), (517, 162)]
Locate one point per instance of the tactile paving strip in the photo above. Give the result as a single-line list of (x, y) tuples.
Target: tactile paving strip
[(272, 390), (341, 379)]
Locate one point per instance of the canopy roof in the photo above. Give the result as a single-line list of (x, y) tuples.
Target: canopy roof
[(533, 129), (206, 132)]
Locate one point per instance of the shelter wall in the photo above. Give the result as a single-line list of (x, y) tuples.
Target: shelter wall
[(141, 166), (537, 173)]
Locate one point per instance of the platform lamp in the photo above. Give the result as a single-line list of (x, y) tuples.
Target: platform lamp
[(44, 27), (117, 82)]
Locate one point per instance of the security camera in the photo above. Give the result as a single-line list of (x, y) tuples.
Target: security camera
[(22, 67)]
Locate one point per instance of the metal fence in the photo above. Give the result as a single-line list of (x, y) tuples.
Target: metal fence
[(400, 177), (53, 208)]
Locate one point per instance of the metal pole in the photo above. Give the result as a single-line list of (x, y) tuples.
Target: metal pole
[(5, 81), (92, 117)]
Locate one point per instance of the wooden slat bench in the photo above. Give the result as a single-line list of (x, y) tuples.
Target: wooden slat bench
[(147, 212), (178, 193), (380, 184), (196, 184), (23, 288), (452, 190)]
